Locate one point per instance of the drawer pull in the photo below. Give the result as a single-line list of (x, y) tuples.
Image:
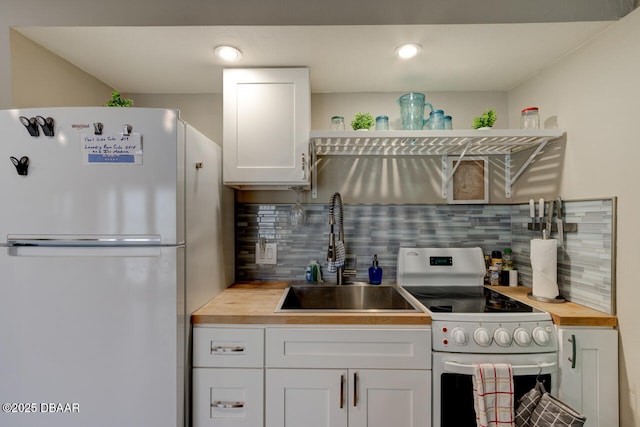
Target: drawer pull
[(227, 349), (227, 404)]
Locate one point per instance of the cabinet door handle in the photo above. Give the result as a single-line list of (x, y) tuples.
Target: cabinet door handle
[(227, 404), (355, 389), (572, 359), (341, 391), (228, 349)]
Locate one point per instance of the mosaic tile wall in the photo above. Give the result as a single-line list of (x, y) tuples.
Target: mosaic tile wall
[(584, 260)]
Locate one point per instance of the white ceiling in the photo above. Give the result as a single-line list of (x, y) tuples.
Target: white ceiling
[(341, 58)]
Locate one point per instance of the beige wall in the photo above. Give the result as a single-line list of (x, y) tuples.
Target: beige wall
[(42, 79), (594, 94)]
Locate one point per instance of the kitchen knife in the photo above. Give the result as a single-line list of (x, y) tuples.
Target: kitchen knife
[(541, 215), (532, 214), (549, 219), (559, 220)]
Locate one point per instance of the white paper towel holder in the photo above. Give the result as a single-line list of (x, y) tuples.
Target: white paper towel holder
[(556, 300)]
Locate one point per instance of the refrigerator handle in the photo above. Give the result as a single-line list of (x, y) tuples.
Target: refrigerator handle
[(82, 240)]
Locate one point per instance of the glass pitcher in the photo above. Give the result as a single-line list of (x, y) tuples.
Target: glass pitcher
[(412, 107)]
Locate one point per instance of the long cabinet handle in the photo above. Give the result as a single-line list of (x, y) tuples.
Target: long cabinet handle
[(228, 349), (355, 389), (341, 391), (572, 359), (227, 404)]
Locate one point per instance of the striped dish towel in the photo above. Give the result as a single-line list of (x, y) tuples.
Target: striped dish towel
[(493, 395)]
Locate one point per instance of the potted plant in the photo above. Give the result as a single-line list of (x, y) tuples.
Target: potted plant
[(117, 101), (486, 120), (362, 121)]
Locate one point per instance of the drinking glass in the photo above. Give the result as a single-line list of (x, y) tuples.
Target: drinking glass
[(297, 214)]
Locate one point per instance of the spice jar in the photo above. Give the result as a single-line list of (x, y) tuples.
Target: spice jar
[(507, 259), (337, 123), (530, 118)]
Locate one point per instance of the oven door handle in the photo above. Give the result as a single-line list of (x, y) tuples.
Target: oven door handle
[(533, 369)]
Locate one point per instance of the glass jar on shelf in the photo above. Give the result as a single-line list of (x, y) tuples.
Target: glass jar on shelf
[(337, 123), (530, 118)]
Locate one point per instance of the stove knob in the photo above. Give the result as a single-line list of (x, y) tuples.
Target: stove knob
[(521, 337), (482, 337), (541, 336), (459, 336), (502, 337)]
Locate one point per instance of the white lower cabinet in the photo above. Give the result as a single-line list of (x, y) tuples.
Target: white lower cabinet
[(348, 397), (348, 377), (589, 373), (310, 376)]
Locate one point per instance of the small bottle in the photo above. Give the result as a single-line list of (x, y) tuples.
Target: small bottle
[(375, 272), (530, 118), (496, 259), (495, 276), (337, 123), (316, 273), (507, 259), (308, 275), (487, 264)]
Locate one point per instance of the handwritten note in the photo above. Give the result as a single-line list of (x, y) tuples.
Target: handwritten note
[(111, 148)]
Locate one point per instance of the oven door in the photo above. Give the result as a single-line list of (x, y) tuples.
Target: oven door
[(453, 382)]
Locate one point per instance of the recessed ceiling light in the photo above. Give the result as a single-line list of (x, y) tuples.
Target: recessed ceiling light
[(408, 50), (228, 53)]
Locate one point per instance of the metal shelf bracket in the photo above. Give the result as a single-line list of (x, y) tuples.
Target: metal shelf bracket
[(507, 168)]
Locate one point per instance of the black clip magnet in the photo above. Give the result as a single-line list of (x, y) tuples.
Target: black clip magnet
[(31, 125), (46, 125), (22, 165)]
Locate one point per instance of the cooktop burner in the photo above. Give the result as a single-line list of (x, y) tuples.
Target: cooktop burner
[(466, 299)]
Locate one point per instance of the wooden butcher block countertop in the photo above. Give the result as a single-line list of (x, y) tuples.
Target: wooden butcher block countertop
[(563, 314), (255, 303)]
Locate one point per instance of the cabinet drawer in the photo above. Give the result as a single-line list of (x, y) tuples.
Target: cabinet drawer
[(346, 348), (228, 348), (227, 397)]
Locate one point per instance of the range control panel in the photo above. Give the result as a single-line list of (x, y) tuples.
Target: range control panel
[(494, 337)]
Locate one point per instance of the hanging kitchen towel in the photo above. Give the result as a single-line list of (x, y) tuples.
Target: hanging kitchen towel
[(493, 395), (332, 266), (544, 268)]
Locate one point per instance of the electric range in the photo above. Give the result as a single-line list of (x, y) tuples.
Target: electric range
[(474, 324), (467, 316)]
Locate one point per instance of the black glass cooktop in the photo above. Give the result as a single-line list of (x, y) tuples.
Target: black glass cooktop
[(466, 299)]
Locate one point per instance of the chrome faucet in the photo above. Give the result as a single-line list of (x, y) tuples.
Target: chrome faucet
[(336, 251)]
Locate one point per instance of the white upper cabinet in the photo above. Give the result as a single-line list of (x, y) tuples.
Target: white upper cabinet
[(267, 116)]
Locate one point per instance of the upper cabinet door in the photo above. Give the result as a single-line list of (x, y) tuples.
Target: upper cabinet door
[(267, 116)]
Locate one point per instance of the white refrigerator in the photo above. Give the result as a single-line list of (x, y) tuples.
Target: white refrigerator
[(110, 237)]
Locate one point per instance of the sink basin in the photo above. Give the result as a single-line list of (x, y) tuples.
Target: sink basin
[(345, 298)]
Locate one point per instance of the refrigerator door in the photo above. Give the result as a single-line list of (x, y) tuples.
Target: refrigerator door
[(92, 336), (80, 183)]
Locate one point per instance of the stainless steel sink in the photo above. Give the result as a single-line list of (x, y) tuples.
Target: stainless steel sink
[(344, 298)]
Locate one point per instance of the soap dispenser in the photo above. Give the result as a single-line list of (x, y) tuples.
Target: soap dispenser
[(375, 272)]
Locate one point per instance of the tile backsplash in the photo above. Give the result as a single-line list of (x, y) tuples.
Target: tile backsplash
[(585, 272)]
